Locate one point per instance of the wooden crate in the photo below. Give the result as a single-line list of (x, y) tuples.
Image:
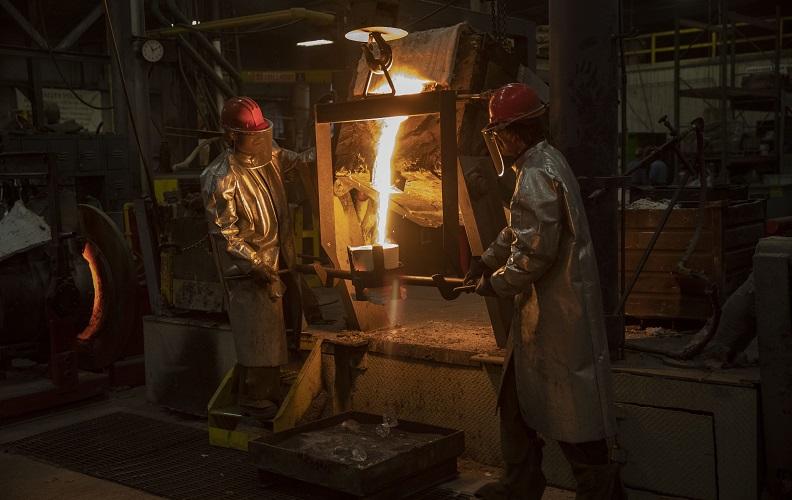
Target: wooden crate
[(724, 251)]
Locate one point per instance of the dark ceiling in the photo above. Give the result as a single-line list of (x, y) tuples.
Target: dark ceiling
[(54, 18), (647, 16)]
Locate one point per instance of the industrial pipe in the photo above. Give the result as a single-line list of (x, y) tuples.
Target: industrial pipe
[(216, 55), (201, 62), (193, 53), (278, 16)]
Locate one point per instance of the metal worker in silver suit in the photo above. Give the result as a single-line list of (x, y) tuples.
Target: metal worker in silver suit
[(556, 379), (250, 226)]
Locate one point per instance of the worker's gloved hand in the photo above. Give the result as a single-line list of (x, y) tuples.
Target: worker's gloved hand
[(267, 279), (276, 289), (262, 275), (484, 286), (476, 270)]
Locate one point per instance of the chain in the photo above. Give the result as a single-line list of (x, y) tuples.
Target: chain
[(494, 16), (498, 11), (503, 7)]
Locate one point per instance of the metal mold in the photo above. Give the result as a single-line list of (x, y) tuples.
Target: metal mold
[(430, 461)]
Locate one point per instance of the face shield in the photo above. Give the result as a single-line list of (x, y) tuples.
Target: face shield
[(257, 144), (495, 146), (499, 145)]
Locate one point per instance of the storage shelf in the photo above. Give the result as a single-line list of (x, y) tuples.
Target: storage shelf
[(741, 99)]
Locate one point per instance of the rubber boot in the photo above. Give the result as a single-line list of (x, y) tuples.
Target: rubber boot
[(522, 478), (259, 390), (599, 482), (597, 477), (521, 448)]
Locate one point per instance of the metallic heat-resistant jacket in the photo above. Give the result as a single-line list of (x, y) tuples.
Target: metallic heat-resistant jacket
[(557, 346), (249, 223), (247, 206)]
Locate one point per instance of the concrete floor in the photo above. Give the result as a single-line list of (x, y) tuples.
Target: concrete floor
[(23, 479)]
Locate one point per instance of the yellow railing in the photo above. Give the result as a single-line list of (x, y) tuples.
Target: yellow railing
[(656, 48), (300, 232)]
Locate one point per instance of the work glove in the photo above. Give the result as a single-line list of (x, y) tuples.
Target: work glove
[(484, 286), (476, 270), (265, 277)]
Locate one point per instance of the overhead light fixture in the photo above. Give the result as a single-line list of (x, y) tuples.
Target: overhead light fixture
[(314, 43)]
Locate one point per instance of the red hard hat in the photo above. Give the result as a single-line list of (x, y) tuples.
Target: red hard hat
[(514, 102), (243, 114)]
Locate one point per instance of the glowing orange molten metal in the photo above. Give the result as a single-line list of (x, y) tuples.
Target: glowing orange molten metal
[(381, 172), (97, 311)]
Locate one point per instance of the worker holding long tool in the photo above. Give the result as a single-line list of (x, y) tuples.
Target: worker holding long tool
[(249, 223), (556, 380)]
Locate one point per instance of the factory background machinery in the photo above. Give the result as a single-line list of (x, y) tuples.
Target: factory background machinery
[(109, 111)]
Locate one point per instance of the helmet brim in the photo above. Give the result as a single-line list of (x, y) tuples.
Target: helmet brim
[(501, 124), (267, 125)]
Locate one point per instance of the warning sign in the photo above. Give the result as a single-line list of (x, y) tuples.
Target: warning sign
[(70, 107)]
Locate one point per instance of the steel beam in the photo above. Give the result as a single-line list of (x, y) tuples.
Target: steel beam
[(324, 178), (691, 23), (753, 21), (148, 248), (375, 108), (36, 92), (725, 112), (76, 32), (24, 24), (78, 57), (279, 16), (584, 124), (448, 176), (127, 21)]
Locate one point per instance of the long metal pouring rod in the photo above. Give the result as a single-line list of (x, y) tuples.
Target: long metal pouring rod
[(407, 279), (457, 284)]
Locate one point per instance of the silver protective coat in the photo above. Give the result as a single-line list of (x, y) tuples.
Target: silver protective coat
[(557, 345), (249, 223)]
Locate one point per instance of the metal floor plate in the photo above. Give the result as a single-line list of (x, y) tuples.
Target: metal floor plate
[(165, 459)]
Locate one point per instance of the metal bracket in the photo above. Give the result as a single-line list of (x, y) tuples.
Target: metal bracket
[(378, 64)]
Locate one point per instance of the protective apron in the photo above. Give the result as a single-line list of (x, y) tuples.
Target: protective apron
[(249, 223), (558, 347)]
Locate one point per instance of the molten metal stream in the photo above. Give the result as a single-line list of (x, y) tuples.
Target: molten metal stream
[(389, 129), (97, 310), (382, 171)]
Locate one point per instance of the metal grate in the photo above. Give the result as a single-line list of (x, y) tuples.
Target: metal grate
[(443, 494), (166, 459)]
